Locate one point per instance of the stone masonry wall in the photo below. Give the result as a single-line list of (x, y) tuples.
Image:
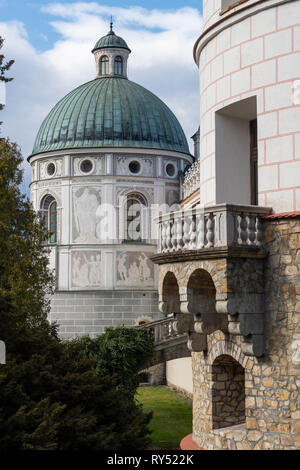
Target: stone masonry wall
[(272, 414), (89, 313), (228, 392), (272, 382)]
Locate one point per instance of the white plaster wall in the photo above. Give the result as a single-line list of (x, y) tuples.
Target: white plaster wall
[(90, 252), (255, 53), (111, 53), (213, 8), (179, 373)]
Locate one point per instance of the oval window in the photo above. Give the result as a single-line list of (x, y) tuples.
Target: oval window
[(51, 169), (86, 166), (134, 167), (170, 169)]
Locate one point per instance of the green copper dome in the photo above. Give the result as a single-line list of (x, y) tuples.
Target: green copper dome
[(110, 112), (111, 40)]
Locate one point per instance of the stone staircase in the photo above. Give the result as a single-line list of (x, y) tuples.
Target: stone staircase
[(168, 343)]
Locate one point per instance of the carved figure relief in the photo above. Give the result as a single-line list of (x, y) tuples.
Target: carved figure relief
[(86, 222), (172, 197), (86, 269), (134, 269)]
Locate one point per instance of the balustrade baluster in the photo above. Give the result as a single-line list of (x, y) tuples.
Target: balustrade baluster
[(168, 235), (173, 234), (242, 229), (193, 233), (179, 234), (186, 231), (259, 232), (210, 231), (163, 236), (251, 230), (200, 229)]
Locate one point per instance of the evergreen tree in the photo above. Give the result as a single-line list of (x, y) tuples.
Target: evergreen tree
[(121, 353), (25, 280), (4, 67), (51, 396)]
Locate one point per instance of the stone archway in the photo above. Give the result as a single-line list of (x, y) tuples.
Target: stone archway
[(228, 392), (201, 292), (201, 301), (170, 295)]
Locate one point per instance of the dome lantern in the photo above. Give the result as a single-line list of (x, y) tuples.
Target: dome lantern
[(111, 55)]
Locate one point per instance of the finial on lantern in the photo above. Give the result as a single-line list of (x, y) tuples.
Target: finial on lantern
[(111, 25)]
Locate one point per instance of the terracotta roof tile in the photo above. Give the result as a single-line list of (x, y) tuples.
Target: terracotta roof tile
[(283, 215)]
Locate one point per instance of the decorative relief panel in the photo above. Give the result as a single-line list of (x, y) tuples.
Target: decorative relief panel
[(170, 167), (134, 269), (86, 215), (123, 166), (86, 269), (97, 165), (48, 184), (51, 169), (172, 197), (147, 192)]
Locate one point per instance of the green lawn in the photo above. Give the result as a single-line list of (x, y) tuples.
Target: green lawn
[(172, 416)]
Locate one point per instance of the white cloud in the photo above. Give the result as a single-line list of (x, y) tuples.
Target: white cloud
[(161, 60)]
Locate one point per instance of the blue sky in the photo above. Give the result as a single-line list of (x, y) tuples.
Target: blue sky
[(51, 43), (37, 22)]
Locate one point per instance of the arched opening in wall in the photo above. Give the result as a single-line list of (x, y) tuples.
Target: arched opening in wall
[(236, 153), (144, 378), (170, 294), (118, 65), (104, 65), (201, 292), (228, 392), (48, 212), (136, 219)]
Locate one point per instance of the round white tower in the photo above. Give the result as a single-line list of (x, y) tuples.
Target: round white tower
[(248, 57)]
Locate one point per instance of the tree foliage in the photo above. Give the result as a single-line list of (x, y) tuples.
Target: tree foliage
[(121, 353), (52, 394), (25, 280), (4, 67)]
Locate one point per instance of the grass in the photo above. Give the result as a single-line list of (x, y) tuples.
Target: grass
[(172, 416)]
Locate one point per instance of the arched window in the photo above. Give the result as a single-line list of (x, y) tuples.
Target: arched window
[(104, 62), (135, 218), (49, 216), (118, 65)]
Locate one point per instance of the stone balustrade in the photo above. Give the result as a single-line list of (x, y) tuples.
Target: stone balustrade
[(221, 225), (163, 330), (191, 179), (169, 342)]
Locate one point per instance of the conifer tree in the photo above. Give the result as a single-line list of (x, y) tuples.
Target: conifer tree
[(4, 67), (51, 397)]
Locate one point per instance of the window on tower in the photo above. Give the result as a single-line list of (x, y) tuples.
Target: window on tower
[(118, 65), (135, 218), (228, 4), (104, 63), (49, 216)]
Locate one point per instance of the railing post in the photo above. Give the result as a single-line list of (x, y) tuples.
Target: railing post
[(200, 235)]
